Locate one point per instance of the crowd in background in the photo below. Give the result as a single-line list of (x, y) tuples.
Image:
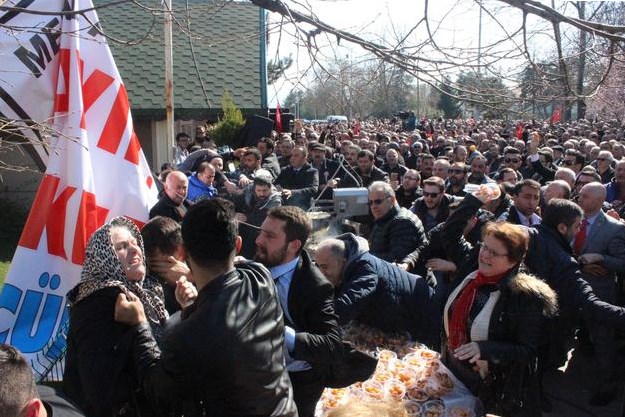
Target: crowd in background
[(499, 244)]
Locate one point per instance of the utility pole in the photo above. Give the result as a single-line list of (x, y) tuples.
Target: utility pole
[(169, 74)]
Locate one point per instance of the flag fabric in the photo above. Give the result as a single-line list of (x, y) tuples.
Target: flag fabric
[(555, 117), (278, 118), (519, 130), (62, 80)]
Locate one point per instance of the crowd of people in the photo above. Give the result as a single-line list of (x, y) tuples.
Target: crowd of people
[(498, 245)]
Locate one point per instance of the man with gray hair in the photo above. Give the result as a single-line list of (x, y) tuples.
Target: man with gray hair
[(604, 166), (396, 231), (567, 175), (378, 293)]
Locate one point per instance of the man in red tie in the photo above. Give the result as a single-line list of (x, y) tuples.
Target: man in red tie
[(600, 249)]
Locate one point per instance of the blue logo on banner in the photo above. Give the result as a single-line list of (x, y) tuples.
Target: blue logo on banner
[(30, 333)]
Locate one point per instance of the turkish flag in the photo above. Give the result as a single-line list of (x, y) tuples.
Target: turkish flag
[(519, 130), (278, 118), (555, 117), (94, 166)]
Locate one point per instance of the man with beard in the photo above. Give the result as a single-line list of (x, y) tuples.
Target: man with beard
[(173, 204), (367, 171), (392, 166), (312, 335), (457, 179), (478, 171), (409, 190), (427, 164), (250, 162), (252, 208), (269, 158), (433, 207)]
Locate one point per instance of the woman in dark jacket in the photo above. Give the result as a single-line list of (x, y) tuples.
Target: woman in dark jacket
[(493, 323), (98, 368)]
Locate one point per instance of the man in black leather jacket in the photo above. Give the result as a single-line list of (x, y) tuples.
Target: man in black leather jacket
[(225, 357)]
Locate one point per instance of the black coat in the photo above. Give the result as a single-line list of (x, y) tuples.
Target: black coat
[(256, 211), (396, 235), (225, 357), (168, 208), (549, 257), (376, 174), (303, 184), (311, 305), (382, 295), (99, 375), (420, 209), (271, 164), (511, 348)]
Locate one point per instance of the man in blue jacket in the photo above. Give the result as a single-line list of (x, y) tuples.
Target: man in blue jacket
[(377, 293)]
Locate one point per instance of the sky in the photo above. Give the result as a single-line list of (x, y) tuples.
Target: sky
[(454, 22)]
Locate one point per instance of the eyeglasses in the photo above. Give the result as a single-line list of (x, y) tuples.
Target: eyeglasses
[(411, 178), (456, 171), (568, 163), (490, 252), (509, 160), (602, 159), (431, 195), (377, 201)]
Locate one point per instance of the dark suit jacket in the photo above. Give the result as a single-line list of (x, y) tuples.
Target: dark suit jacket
[(303, 185), (168, 208), (311, 305), (606, 237)]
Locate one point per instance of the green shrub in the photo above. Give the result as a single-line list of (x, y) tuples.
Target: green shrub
[(227, 129)]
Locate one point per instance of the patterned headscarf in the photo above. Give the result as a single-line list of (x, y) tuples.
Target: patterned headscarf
[(102, 269)]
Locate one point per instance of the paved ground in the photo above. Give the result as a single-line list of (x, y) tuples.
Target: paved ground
[(570, 389)]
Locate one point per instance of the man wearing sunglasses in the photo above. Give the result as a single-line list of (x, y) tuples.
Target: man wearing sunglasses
[(396, 232), (604, 166), (433, 207), (457, 179), (512, 158), (573, 159)]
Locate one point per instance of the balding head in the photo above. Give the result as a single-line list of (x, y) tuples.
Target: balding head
[(591, 198), (176, 186), (557, 189), (330, 259)]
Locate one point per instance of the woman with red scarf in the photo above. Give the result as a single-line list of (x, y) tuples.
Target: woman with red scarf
[(494, 322)]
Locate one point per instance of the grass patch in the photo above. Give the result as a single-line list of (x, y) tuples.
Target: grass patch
[(12, 219)]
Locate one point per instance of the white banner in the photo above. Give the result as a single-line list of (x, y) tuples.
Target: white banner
[(57, 70)]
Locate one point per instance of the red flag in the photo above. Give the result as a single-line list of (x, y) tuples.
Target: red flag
[(555, 117), (278, 118), (519, 130)]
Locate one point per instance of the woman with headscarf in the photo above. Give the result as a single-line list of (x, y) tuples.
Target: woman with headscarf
[(493, 322), (98, 374)]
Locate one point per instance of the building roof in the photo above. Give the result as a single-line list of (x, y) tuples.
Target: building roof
[(228, 44)]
